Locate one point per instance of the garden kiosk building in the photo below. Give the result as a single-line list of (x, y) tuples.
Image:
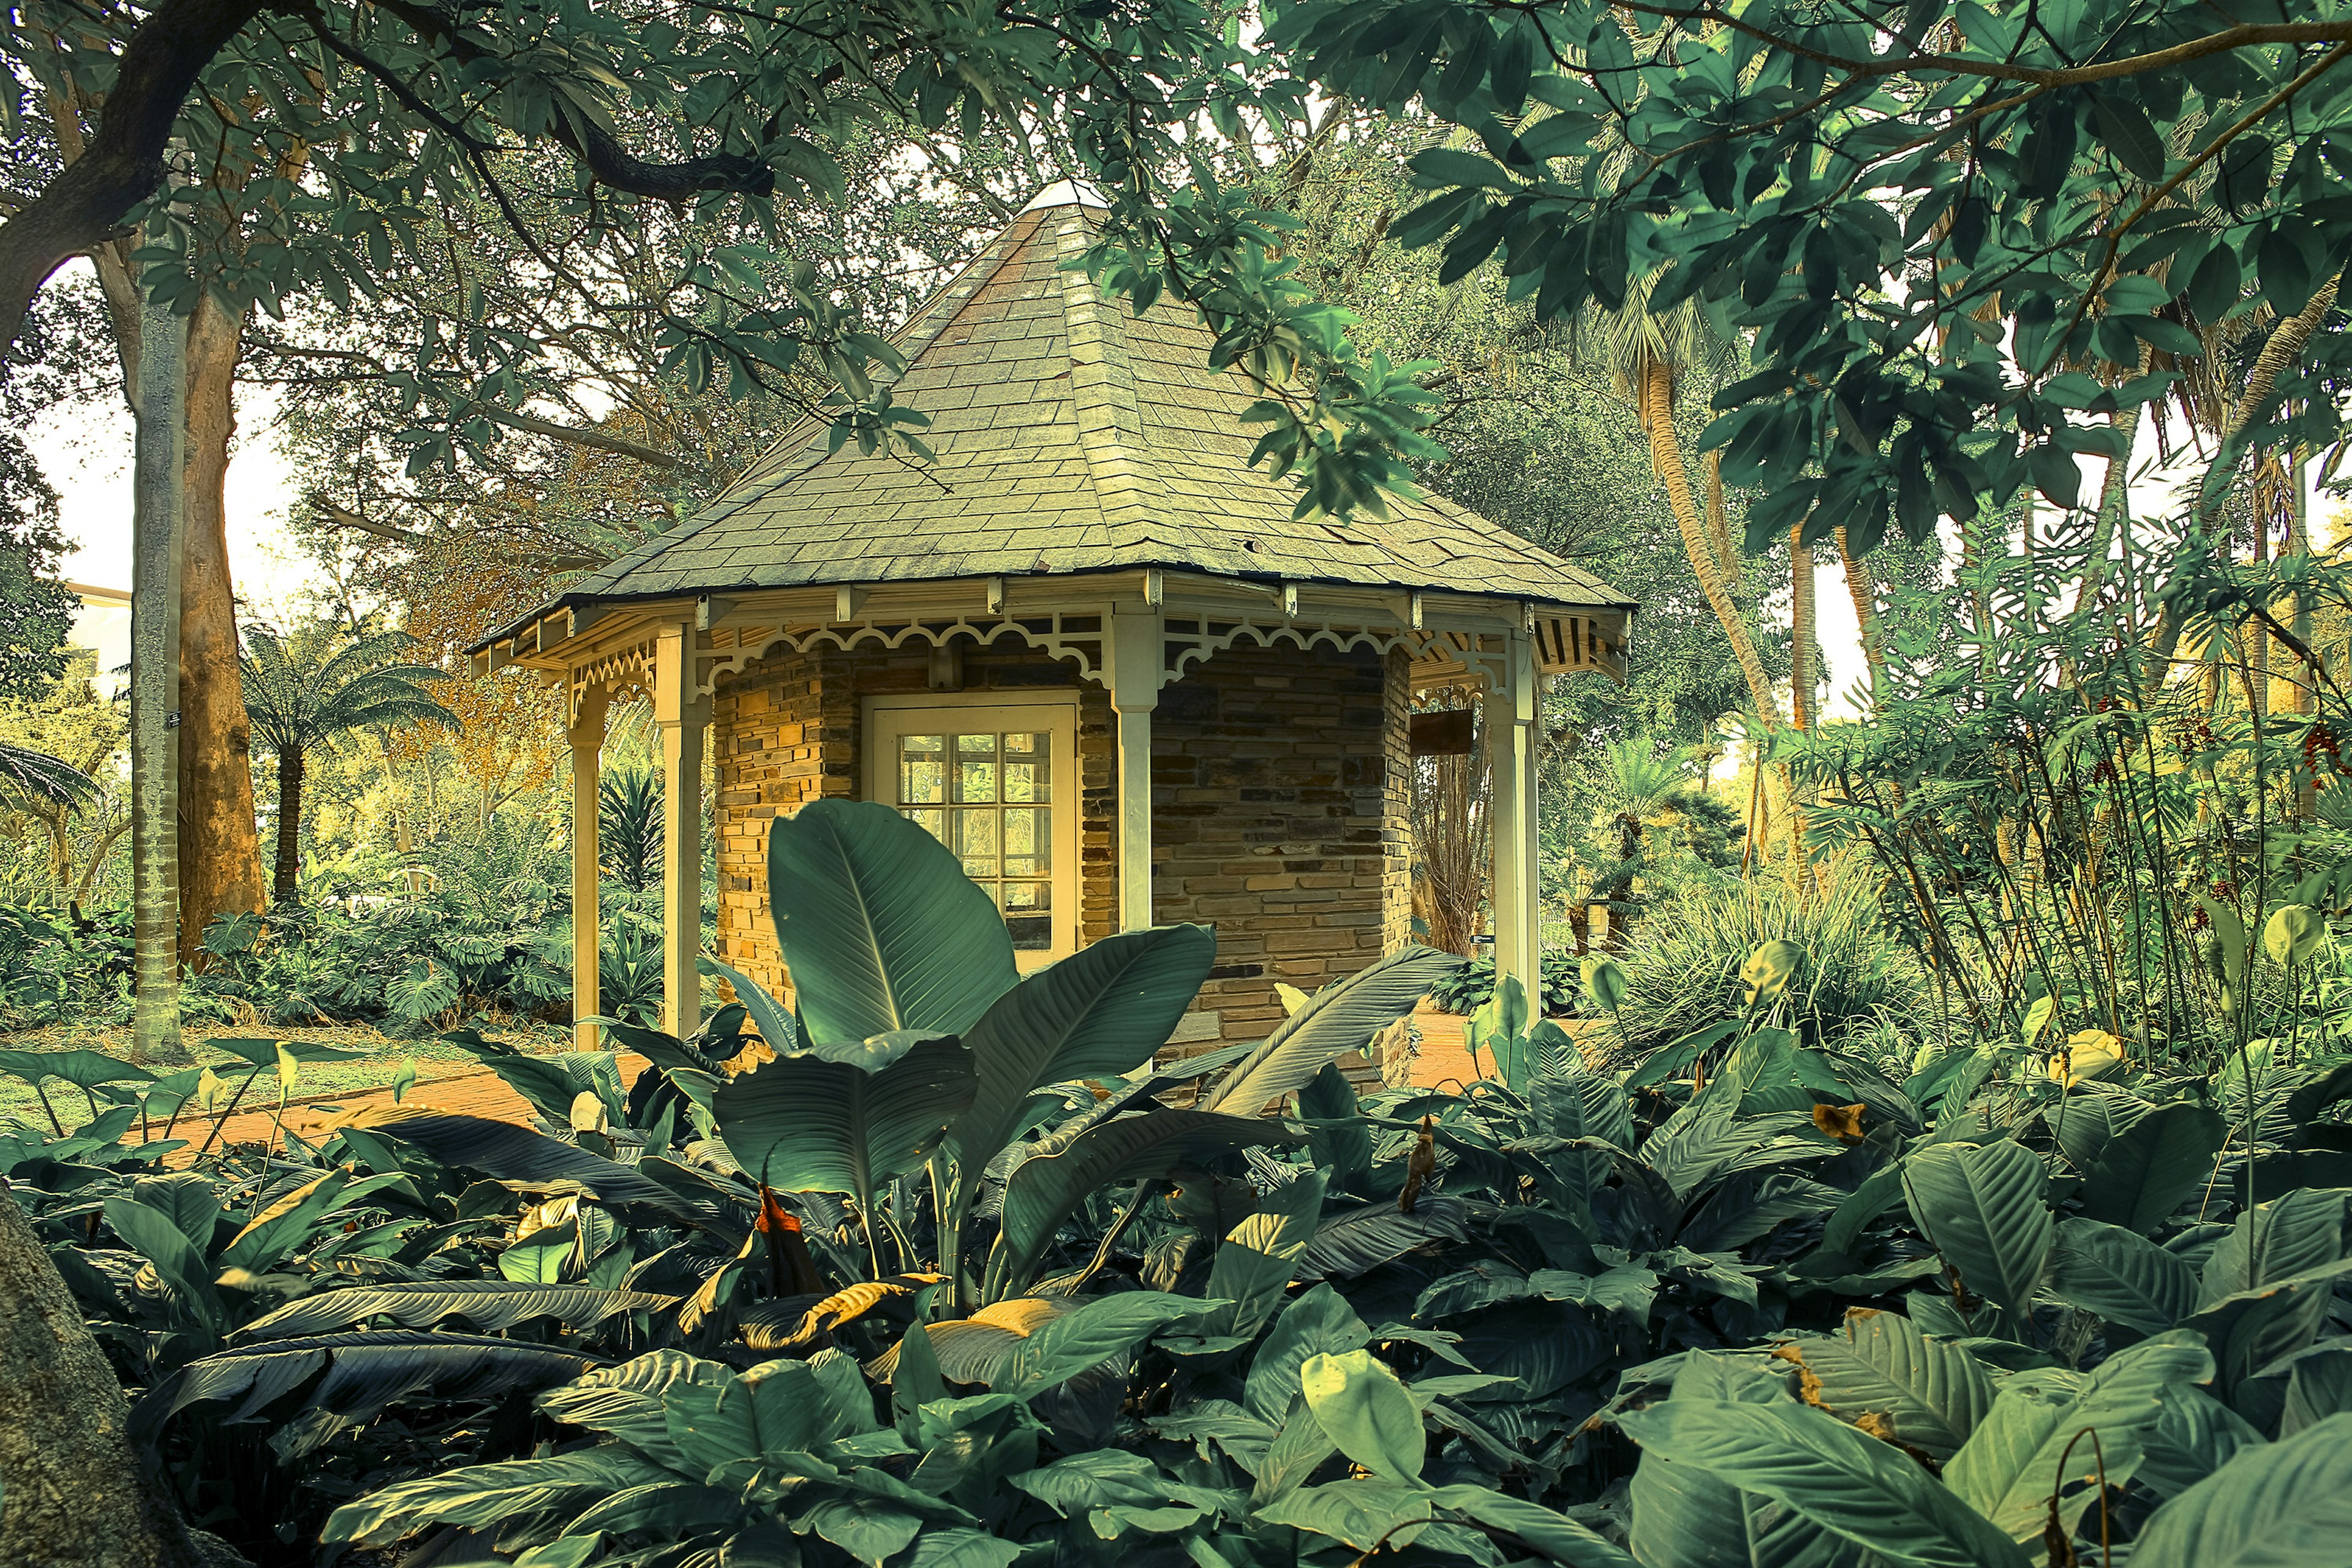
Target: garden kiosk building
[(1089, 646)]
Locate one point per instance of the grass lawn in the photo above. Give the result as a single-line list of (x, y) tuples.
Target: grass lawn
[(375, 1070)]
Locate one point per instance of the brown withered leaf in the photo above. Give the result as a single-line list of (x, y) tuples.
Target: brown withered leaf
[(1842, 1122)]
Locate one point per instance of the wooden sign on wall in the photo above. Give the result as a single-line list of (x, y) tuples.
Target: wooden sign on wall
[(1445, 732)]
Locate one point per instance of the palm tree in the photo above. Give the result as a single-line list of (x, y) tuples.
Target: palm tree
[(311, 689), (1647, 354), (29, 775)]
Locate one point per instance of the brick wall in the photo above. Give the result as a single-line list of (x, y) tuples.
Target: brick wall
[(1279, 783)]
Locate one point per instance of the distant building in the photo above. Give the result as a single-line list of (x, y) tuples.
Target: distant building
[(102, 624)]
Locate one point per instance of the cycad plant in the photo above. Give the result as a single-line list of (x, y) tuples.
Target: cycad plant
[(310, 688), (629, 827), (29, 775)]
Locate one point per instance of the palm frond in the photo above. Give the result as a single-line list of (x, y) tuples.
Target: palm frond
[(26, 774)]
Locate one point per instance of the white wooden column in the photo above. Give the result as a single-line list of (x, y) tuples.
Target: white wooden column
[(587, 737), (680, 712), (1511, 759), (1136, 646)]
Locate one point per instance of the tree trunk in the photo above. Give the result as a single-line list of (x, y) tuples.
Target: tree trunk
[(75, 1494), (155, 557), (1862, 589), (286, 890), (1802, 680), (1657, 387), (220, 851)]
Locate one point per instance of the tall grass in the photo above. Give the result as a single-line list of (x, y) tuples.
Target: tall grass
[(1859, 988)]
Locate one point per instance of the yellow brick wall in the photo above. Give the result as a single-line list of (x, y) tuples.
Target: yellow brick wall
[(1279, 783)]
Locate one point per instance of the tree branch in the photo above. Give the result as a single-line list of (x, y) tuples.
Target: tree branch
[(123, 164)]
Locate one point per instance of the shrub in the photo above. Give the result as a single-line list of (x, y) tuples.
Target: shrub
[(1858, 982)]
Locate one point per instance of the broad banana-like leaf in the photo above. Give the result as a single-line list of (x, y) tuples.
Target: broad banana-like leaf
[(2007, 1468), (2281, 1505), (1339, 1018), (802, 1125), (1931, 1392), (1098, 1013), (777, 1030), (2146, 1171), (976, 1348), (151, 1232), (1986, 1209), (2088, 1117), (1353, 1243), (358, 1376), (1047, 1189), (478, 1495), (489, 1305), (1683, 1515), (520, 1157), (1071, 1343), (879, 926), (2122, 1276), (1254, 1265), (1865, 1491)]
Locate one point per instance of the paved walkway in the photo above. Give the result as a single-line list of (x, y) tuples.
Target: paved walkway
[(478, 1093)]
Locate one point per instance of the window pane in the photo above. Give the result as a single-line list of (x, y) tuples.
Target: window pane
[(1026, 837), (932, 821), (922, 780), (1030, 934), (975, 843), (928, 744), (1024, 767), (975, 768), (1036, 896)]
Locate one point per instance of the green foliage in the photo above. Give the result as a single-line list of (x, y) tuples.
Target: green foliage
[(1858, 982)]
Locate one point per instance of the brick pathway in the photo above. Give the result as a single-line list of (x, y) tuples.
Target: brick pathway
[(478, 1093)]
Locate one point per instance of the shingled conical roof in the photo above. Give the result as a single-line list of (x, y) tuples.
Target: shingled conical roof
[(1071, 435)]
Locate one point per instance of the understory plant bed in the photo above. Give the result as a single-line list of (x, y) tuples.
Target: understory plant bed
[(381, 1061)]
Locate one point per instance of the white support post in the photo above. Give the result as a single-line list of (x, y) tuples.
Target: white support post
[(1137, 647), (1511, 759), (587, 737), (680, 712)]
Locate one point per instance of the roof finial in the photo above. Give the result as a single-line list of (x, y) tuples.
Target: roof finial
[(1066, 193)]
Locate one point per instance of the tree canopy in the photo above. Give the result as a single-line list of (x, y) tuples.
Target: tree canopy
[(1960, 241)]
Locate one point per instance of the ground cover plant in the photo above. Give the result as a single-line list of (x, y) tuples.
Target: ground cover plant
[(991, 1281)]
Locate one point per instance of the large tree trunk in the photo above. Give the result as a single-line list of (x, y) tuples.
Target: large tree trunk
[(220, 851), (286, 889), (75, 1494)]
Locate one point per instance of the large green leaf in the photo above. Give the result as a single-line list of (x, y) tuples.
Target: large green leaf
[(152, 1235), (2007, 1468), (2144, 1173), (879, 926), (1684, 1517), (1253, 1266), (1868, 1492), (477, 1495), (2252, 1329), (489, 1305), (1071, 1343), (362, 1373), (1365, 1411), (1318, 1323), (2196, 1435), (1044, 1191), (2283, 1505), (2122, 1276), (1984, 1208), (1339, 1018), (802, 1125), (2281, 1239), (519, 1156), (82, 1069), (1531, 1524), (1931, 1391), (1099, 1013)]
